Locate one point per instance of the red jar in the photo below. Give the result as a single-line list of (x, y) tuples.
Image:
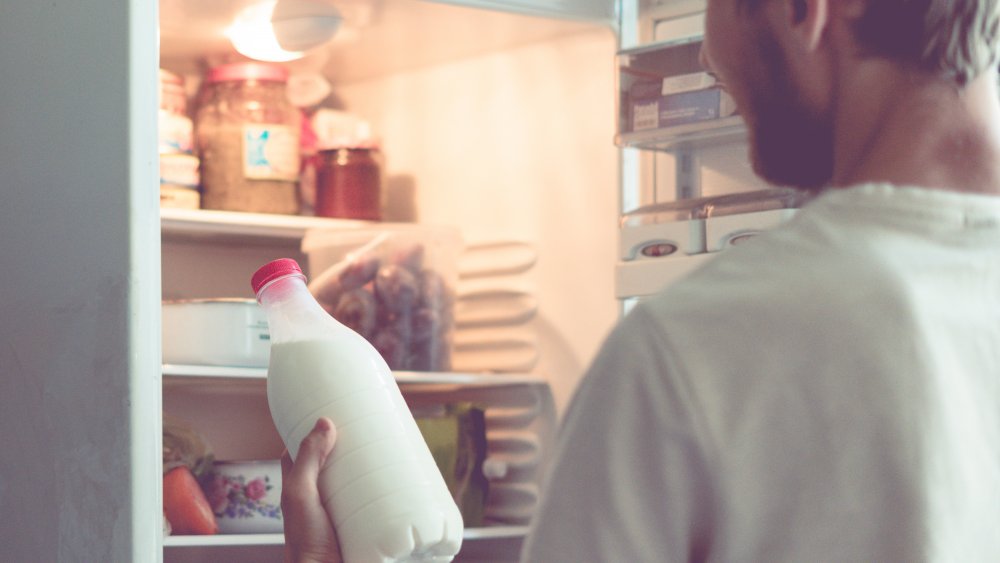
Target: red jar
[(349, 183)]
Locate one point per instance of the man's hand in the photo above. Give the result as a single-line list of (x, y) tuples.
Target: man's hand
[(309, 534)]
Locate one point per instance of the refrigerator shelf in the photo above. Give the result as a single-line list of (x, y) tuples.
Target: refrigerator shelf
[(687, 137), (174, 374), (233, 225), (223, 540)]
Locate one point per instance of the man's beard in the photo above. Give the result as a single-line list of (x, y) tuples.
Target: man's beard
[(790, 145)]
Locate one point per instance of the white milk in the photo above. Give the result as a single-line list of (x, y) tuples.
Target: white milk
[(380, 484)]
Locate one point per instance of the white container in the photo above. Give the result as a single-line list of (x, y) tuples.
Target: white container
[(215, 332), (730, 230), (246, 496), (385, 494)]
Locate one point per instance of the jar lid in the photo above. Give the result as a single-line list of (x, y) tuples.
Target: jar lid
[(370, 145), (248, 71)]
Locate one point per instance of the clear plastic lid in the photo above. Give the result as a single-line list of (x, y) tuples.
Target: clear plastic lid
[(752, 202)]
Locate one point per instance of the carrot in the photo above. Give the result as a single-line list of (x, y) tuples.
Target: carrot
[(185, 505)]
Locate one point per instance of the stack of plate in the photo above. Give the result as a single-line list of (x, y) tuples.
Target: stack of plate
[(494, 309)]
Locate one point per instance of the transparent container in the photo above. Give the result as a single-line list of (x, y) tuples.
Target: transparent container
[(394, 285), (247, 135), (386, 496)]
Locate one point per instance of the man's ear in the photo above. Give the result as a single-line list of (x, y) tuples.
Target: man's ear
[(807, 21)]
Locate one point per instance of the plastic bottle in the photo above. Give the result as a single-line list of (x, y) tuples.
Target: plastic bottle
[(386, 496)]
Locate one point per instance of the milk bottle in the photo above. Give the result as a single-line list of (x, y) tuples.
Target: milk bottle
[(386, 496)]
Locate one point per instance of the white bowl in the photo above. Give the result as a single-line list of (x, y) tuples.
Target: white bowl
[(215, 332), (245, 496)]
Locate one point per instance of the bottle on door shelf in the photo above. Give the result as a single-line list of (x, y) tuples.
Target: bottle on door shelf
[(386, 495)]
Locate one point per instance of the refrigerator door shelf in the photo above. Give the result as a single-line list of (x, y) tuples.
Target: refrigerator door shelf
[(640, 278), (659, 241), (725, 231)]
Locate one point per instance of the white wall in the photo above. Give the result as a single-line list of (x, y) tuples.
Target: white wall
[(518, 144), (79, 329)]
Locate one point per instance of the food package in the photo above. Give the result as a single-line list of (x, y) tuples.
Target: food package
[(184, 446), (394, 287), (456, 437), (187, 459)]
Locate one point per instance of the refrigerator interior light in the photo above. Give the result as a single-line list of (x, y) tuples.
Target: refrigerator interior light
[(282, 30)]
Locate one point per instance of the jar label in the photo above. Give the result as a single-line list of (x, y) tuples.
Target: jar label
[(270, 152)]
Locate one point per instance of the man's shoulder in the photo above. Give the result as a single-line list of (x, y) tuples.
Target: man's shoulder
[(802, 269)]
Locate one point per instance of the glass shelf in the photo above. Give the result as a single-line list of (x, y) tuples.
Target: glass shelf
[(174, 374), (687, 137), (225, 225), (224, 540), (470, 534)]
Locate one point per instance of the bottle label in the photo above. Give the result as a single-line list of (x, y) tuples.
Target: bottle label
[(270, 152)]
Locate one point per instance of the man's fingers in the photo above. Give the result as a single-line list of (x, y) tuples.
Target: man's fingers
[(286, 465), (313, 451)]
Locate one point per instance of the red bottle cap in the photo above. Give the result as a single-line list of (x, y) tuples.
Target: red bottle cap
[(273, 270)]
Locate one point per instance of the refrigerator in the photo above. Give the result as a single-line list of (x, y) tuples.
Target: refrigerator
[(509, 120)]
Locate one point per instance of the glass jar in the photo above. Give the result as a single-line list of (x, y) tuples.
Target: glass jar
[(176, 134), (349, 183), (179, 178), (247, 135), (173, 99)]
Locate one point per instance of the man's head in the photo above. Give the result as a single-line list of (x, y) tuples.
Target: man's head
[(781, 60)]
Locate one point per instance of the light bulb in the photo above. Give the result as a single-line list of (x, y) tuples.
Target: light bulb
[(282, 30), (300, 25)]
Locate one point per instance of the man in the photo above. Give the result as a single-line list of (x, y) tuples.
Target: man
[(830, 390)]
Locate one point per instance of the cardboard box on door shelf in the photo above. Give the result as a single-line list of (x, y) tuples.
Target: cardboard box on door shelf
[(659, 103), (456, 436)]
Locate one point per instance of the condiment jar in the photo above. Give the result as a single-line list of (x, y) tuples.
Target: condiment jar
[(179, 178), (247, 135), (175, 128), (349, 183), (173, 100)]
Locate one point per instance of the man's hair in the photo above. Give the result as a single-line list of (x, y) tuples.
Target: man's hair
[(956, 40)]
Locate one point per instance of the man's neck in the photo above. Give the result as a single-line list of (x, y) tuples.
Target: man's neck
[(892, 127)]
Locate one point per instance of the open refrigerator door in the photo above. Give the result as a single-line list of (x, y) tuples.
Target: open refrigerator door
[(688, 189)]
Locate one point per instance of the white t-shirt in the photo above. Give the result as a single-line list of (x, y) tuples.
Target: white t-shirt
[(827, 391)]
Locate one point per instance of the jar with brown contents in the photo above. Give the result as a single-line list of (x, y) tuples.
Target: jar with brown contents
[(247, 135), (349, 183)]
